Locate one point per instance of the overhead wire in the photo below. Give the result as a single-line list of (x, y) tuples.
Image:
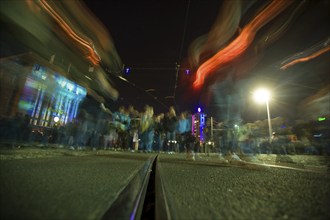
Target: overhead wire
[(176, 68), (181, 49), (137, 87)]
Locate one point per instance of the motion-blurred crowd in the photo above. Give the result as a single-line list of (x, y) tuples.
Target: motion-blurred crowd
[(130, 130), (125, 129)]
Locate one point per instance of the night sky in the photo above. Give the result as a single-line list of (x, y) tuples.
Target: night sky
[(154, 40), (152, 36)]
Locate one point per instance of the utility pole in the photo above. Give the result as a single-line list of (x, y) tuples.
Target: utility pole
[(211, 128)]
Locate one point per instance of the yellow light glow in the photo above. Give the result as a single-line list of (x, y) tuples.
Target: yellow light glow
[(261, 95)]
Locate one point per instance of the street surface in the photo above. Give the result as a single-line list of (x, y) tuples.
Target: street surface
[(65, 184), (212, 191), (63, 187)]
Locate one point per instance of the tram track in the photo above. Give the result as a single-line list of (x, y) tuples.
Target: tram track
[(162, 209), (138, 199), (150, 186), (152, 200), (130, 202)]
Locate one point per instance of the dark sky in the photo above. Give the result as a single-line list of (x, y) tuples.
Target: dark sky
[(152, 36)]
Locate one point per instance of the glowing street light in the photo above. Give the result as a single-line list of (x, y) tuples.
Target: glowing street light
[(263, 95), (56, 119)]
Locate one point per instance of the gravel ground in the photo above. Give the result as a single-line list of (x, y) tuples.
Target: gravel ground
[(241, 193), (315, 162), (234, 199)]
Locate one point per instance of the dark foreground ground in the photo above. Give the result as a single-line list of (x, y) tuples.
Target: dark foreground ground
[(312, 162), (57, 183)]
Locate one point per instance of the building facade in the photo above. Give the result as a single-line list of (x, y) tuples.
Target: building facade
[(30, 85), (199, 125)]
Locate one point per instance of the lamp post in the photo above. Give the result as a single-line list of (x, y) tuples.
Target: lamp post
[(263, 95)]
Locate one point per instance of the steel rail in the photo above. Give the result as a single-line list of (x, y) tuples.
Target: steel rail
[(162, 209), (130, 201)]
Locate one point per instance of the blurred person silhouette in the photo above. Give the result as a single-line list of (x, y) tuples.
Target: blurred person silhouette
[(26, 128), (265, 146), (308, 146), (122, 122), (14, 129), (278, 144), (72, 134), (133, 138), (126, 120), (183, 127), (191, 145), (147, 129), (292, 139), (188, 140), (159, 132), (110, 135), (82, 133), (170, 124), (229, 144), (95, 131), (61, 136), (94, 139), (247, 148)]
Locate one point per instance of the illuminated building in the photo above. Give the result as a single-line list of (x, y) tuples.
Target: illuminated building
[(198, 124), (30, 85)]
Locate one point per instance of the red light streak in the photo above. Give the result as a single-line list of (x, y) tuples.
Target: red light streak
[(93, 56), (304, 59), (241, 43)]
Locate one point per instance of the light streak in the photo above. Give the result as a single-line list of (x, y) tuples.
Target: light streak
[(224, 28), (304, 59), (87, 77), (93, 56), (241, 43)]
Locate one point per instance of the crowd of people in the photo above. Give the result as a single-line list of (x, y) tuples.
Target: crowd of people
[(130, 130)]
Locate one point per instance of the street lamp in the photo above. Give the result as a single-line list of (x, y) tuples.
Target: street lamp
[(263, 95), (56, 119)]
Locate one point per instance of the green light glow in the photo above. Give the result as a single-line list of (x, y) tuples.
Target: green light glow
[(321, 119)]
